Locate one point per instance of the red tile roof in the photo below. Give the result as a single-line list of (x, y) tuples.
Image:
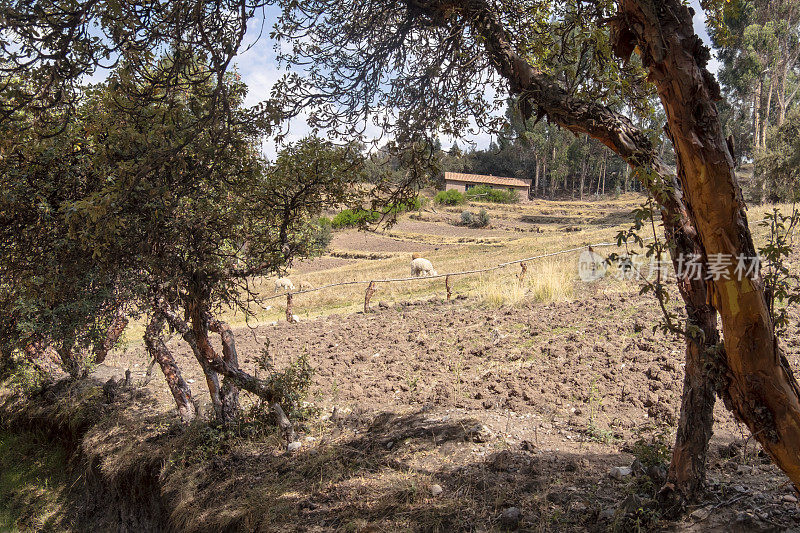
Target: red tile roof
[(490, 180)]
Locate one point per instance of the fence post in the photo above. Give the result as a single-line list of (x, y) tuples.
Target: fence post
[(289, 312), (368, 294), (523, 271), (447, 285)]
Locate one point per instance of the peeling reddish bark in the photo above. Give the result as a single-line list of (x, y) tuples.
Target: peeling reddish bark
[(160, 353), (115, 330), (757, 384)]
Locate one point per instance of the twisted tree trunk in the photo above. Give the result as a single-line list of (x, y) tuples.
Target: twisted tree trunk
[(757, 385), (158, 350)]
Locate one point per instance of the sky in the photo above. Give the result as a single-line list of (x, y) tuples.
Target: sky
[(259, 69)]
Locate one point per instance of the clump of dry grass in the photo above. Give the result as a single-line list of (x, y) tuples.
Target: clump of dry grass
[(553, 281), (546, 281)]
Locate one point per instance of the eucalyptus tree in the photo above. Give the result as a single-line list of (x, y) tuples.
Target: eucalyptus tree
[(435, 65)]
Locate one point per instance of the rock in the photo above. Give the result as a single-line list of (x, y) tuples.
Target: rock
[(744, 469), (189, 381), (389, 445), (383, 305), (789, 498), (479, 433), (702, 513), (607, 514), (294, 446), (295, 318), (436, 490), (620, 472), (511, 517)]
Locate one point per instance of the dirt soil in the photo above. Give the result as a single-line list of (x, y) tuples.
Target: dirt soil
[(450, 416)]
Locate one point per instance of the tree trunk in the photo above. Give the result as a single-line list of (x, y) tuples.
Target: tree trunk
[(158, 350), (757, 118), (115, 330), (261, 388), (583, 172), (229, 392), (225, 398), (766, 113), (753, 377), (544, 175)]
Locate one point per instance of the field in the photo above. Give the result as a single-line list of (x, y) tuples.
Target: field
[(507, 406)]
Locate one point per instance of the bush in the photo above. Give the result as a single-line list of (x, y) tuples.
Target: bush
[(484, 193), (354, 217), (481, 220), (451, 197), (350, 218)]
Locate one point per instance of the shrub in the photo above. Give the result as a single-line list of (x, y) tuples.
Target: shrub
[(357, 217), (482, 219), (451, 197), (485, 193), (354, 217)]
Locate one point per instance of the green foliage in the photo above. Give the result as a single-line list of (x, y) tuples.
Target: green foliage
[(482, 220), (781, 282), (485, 193), (778, 166), (449, 197), (654, 450), (350, 218), (466, 218), (290, 386)]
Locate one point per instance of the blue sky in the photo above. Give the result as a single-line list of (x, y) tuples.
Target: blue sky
[(259, 69)]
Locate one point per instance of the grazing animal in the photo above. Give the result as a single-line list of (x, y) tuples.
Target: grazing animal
[(422, 267), (304, 286), (284, 284)]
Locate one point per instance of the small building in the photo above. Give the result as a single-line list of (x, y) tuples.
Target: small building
[(464, 182)]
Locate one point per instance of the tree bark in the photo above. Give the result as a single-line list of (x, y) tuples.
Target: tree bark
[(225, 398), (584, 165), (755, 380), (229, 391), (158, 350), (261, 388), (115, 330)]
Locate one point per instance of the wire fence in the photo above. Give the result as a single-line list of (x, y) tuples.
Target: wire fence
[(371, 284)]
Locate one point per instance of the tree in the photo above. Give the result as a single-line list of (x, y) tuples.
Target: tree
[(164, 210), (779, 162), (441, 54)]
